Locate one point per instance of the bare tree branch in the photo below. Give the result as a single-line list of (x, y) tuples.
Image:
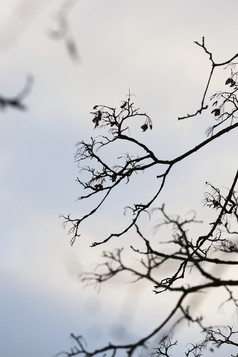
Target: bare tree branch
[(193, 258)]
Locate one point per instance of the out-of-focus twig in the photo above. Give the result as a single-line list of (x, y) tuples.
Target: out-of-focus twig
[(17, 101)]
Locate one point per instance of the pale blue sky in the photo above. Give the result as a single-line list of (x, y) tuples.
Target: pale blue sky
[(145, 46)]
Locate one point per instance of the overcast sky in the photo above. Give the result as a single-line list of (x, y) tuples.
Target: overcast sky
[(145, 46)]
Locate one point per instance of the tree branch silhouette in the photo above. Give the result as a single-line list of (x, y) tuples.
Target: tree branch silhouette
[(194, 258)]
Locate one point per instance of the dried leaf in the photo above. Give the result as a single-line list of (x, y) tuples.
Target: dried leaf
[(98, 187), (144, 127), (228, 81), (97, 118), (123, 105), (216, 112), (114, 176)]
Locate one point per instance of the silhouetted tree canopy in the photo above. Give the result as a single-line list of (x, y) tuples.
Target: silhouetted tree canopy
[(199, 262), (195, 258)]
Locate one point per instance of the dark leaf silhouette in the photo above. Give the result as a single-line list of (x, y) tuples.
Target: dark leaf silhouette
[(97, 118), (123, 105), (216, 112), (228, 81), (144, 127)]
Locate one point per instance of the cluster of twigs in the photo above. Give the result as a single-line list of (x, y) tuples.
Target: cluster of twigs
[(63, 31), (190, 255)]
